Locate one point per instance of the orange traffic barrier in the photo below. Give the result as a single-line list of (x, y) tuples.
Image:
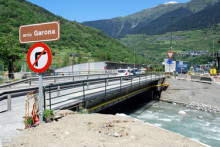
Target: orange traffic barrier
[(34, 116)]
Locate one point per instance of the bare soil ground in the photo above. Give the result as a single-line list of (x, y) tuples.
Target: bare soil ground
[(97, 130)]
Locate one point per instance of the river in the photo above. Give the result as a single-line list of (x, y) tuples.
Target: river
[(197, 125)]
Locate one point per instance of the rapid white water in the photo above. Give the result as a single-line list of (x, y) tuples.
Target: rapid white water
[(198, 125)]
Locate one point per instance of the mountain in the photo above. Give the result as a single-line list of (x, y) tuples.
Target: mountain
[(195, 14), (162, 22), (203, 19), (90, 44), (150, 21), (120, 26)]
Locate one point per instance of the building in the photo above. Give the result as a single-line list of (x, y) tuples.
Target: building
[(97, 67)]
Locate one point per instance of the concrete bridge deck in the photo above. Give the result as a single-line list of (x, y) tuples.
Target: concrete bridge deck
[(92, 93)]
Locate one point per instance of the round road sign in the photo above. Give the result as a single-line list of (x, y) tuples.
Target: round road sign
[(39, 57), (169, 61)]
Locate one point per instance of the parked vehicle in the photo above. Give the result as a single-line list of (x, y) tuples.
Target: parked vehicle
[(124, 72), (205, 73)]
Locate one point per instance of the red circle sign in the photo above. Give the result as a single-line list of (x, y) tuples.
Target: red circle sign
[(39, 57)]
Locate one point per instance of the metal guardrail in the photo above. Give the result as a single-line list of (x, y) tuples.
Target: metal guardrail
[(21, 92), (29, 80), (60, 95), (88, 84)]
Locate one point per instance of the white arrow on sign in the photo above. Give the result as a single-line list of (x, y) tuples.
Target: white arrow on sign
[(170, 54)]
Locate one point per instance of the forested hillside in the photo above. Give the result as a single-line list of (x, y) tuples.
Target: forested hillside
[(203, 19), (154, 20), (154, 47), (162, 22), (87, 43), (118, 27)]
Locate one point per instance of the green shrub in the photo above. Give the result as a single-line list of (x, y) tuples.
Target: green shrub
[(47, 114), (82, 110), (29, 121)]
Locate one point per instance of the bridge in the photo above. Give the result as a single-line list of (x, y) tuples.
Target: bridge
[(92, 92), (98, 94)]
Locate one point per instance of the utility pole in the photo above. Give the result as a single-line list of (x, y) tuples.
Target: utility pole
[(172, 17), (134, 57), (213, 47), (72, 62)]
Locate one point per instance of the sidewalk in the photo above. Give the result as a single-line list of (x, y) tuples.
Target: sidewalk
[(11, 120)]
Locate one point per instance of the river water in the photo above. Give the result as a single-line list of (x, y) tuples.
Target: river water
[(197, 125)]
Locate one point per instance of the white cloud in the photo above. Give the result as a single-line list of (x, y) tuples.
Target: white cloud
[(172, 2)]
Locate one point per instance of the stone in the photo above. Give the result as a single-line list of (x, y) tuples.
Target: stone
[(182, 112), (116, 135), (200, 117)]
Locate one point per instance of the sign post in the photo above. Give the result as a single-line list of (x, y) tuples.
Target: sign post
[(39, 55), (39, 59), (169, 61), (41, 97)]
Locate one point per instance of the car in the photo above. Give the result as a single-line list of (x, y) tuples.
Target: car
[(135, 71), (206, 73), (124, 72)]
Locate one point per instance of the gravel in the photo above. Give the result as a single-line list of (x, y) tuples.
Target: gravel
[(194, 95)]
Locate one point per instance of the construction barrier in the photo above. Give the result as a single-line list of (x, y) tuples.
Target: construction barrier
[(182, 76), (195, 78), (206, 79)]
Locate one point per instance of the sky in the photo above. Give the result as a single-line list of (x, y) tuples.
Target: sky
[(88, 10)]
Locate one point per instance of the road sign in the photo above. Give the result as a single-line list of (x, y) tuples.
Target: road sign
[(49, 31), (170, 54), (169, 61), (39, 57)]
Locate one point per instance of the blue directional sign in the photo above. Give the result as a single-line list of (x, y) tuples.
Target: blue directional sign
[(169, 61)]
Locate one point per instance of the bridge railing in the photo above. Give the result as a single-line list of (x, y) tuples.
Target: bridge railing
[(79, 89), (55, 78), (58, 96)]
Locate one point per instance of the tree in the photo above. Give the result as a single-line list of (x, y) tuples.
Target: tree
[(66, 60), (9, 52), (80, 59)]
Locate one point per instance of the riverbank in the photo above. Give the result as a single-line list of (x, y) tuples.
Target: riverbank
[(100, 130), (194, 95)]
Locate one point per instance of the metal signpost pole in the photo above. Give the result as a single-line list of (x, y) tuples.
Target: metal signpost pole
[(41, 97)]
